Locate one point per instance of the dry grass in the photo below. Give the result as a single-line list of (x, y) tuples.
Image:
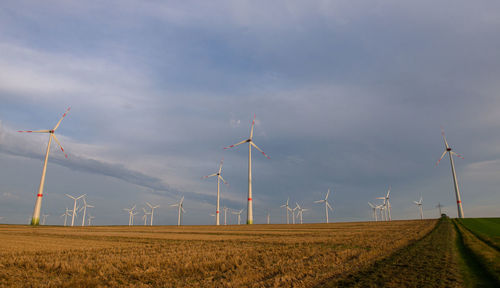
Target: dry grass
[(207, 256)]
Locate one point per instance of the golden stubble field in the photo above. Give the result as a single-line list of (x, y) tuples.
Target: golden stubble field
[(197, 256)]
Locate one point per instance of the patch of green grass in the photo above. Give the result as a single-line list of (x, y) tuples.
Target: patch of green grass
[(487, 229)]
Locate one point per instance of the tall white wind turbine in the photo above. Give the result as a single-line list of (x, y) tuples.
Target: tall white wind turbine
[(225, 213), (35, 219), (387, 204), (219, 177), (287, 208), (131, 215), (74, 207), (145, 216), (84, 208), (250, 144), (65, 215), (239, 215), (181, 210), (301, 210), (454, 174), (152, 211), (327, 205), (419, 205), (374, 209)]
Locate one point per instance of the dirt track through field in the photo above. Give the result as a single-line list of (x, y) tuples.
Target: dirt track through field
[(430, 262)]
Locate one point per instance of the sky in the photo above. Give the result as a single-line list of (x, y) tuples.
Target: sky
[(348, 96)]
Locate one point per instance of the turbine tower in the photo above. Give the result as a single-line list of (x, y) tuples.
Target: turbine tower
[(35, 219), (131, 215), (250, 144), (152, 211), (419, 205), (74, 207), (454, 174), (327, 205), (181, 210), (219, 177)]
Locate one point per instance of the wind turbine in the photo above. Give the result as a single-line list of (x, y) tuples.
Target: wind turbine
[(145, 216), (219, 177), (131, 215), (439, 206), (74, 207), (293, 214), (66, 214), (374, 208), (239, 215), (387, 204), (286, 210), (268, 217), (250, 144), (152, 211), (84, 208), (225, 212), (44, 217), (419, 205), (181, 210), (301, 210), (455, 181), (90, 220), (327, 205), (35, 219)]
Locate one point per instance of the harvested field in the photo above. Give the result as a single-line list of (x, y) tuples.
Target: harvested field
[(207, 256)]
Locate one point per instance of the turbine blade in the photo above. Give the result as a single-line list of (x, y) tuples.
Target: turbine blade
[(256, 147), (327, 193), (444, 138), (442, 156), (388, 192), (59, 143), (220, 166), (64, 115), (456, 154), (224, 181), (253, 124), (150, 206), (33, 131), (234, 145), (70, 196), (328, 204), (319, 201), (211, 175), (371, 205)]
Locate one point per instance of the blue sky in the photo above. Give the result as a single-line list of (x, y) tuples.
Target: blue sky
[(348, 96)]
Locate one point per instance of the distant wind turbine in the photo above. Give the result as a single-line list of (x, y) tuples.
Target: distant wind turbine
[(387, 204), (239, 215), (439, 206), (225, 212), (84, 208), (74, 207), (152, 211), (250, 144), (419, 205), (65, 215), (181, 210), (131, 215), (90, 220), (35, 219), (287, 208), (327, 205), (301, 210), (44, 217), (145, 216), (455, 181), (219, 177)]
